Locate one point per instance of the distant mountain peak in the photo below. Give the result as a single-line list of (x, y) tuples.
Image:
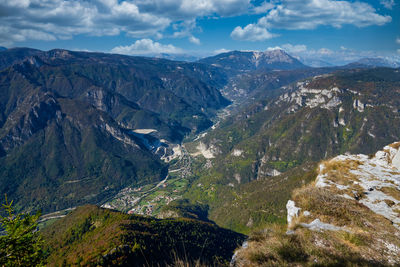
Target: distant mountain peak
[(376, 62), (243, 61)]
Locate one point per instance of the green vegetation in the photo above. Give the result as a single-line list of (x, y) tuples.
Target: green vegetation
[(274, 247), (79, 162), (266, 136), (249, 206), (66, 121), (20, 242), (93, 236)]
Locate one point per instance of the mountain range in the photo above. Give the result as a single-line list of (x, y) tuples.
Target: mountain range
[(225, 141), (243, 61), (70, 121), (313, 119)]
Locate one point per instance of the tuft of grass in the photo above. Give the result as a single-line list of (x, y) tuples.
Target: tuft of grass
[(395, 145), (391, 191), (324, 204), (339, 171)]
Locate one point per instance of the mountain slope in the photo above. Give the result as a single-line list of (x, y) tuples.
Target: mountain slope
[(184, 93), (240, 61), (11, 56), (319, 117), (348, 216), (60, 153), (93, 236), (246, 87), (349, 111), (374, 63), (78, 127)]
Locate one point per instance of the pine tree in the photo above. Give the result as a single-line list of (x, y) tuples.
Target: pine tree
[(20, 241)]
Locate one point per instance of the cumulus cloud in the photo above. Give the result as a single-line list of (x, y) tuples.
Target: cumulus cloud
[(341, 56), (398, 40), (263, 8), (63, 19), (294, 48), (274, 48), (146, 47), (184, 28), (309, 14), (388, 3), (220, 51), (194, 40), (251, 32), (325, 51), (188, 9)]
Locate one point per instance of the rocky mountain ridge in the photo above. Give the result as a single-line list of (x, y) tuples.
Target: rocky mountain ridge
[(86, 125), (278, 138), (349, 214), (244, 61), (346, 103)]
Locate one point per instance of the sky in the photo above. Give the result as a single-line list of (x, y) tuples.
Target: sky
[(326, 30)]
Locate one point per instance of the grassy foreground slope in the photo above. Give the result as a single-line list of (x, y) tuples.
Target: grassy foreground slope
[(93, 236), (350, 216)]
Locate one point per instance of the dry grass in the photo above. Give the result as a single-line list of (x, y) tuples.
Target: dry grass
[(273, 247), (391, 191), (395, 145), (329, 207), (368, 238), (307, 248), (185, 263), (339, 171), (361, 246)]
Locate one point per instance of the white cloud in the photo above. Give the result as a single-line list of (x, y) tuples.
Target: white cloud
[(189, 9), (63, 19), (325, 51), (184, 28), (388, 3), (194, 40), (294, 48), (146, 47), (220, 51), (309, 14), (341, 56), (251, 32), (274, 48), (263, 8), (398, 51), (398, 40)]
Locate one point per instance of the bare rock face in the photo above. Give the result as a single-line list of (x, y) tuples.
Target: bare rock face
[(31, 116), (350, 214)]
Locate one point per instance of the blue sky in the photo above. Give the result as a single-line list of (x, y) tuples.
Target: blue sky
[(324, 29)]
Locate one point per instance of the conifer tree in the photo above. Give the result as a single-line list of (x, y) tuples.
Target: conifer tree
[(20, 241)]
